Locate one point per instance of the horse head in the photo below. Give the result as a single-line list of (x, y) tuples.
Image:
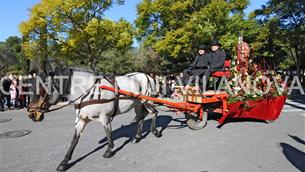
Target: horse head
[(44, 94)]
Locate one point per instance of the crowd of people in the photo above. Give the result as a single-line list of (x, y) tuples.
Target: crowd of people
[(13, 93)]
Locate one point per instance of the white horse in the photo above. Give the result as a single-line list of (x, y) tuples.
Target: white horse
[(93, 104)]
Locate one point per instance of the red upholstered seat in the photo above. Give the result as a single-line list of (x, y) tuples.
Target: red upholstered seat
[(225, 72), (221, 73)]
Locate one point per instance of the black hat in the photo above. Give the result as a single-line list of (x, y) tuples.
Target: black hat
[(202, 47), (215, 42)]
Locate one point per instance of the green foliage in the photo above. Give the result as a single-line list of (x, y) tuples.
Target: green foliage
[(11, 56), (174, 29), (117, 62), (75, 29), (148, 61), (282, 24)]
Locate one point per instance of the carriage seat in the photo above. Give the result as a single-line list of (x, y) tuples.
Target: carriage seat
[(225, 71)]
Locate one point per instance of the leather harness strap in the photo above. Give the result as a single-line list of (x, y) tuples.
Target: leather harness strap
[(92, 102), (99, 101)]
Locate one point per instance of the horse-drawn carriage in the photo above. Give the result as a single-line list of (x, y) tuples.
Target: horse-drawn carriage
[(197, 105), (100, 98)]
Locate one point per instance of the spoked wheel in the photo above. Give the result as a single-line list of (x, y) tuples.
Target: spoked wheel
[(194, 122)]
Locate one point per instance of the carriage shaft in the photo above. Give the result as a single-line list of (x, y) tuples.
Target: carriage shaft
[(183, 106)]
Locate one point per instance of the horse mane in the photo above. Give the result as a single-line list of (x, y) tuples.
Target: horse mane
[(131, 74)]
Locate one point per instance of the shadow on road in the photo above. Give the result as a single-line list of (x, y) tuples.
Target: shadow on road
[(128, 132), (295, 106), (300, 99), (217, 116), (293, 155)]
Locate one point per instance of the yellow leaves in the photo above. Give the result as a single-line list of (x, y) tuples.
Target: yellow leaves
[(71, 27), (93, 26), (24, 29), (29, 49), (125, 40), (72, 42), (175, 41), (117, 33), (181, 6)]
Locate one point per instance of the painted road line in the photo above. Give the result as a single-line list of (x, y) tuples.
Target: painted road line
[(292, 110), (291, 103)]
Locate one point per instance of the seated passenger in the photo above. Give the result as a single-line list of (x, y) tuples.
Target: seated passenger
[(205, 64), (200, 62), (218, 56)]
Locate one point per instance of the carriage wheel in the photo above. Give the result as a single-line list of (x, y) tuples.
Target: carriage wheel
[(194, 122)]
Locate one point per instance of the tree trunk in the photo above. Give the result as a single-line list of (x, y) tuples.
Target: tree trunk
[(299, 61), (92, 63), (44, 49)]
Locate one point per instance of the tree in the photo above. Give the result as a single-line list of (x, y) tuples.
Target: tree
[(174, 29), (148, 61), (11, 56), (285, 21), (75, 29), (117, 62)]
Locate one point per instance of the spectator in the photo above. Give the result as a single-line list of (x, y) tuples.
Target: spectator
[(1, 100), (168, 89), (14, 93), (22, 97), (6, 87)]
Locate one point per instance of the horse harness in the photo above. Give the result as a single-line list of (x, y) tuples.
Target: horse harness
[(92, 101)]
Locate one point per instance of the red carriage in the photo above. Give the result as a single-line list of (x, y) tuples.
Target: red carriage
[(196, 105)]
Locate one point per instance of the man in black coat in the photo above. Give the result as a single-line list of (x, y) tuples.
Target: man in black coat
[(200, 63), (218, 56), (202, 59), (6, 88), (1, 97), (207, 63)]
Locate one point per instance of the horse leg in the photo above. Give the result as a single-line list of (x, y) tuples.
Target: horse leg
[(79, 127), (138, 136), (108, 130), (141, 113), (153, 127)]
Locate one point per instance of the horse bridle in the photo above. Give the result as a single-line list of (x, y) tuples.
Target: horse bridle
[(40, 106), (42, 110)]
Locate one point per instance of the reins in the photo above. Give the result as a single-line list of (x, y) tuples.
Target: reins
[(70, 102)]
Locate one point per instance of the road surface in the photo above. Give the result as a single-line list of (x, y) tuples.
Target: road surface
[(240, 146)]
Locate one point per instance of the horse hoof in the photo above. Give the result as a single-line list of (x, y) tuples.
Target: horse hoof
[(137, 139), (108, 154), (157, 134), (62, 167)]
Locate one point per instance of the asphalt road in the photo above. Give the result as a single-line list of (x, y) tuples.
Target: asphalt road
[(240, 146)]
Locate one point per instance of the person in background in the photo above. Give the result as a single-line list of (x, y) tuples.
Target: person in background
[(1, 98), (22, 96), (6, 88), (30, 81), (168, 88), (14, 93)]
